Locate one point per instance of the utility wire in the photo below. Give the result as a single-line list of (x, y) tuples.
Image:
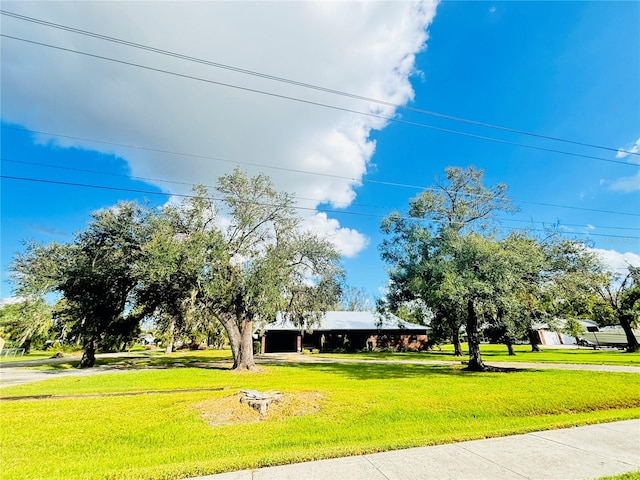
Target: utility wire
[(318, 104), (374, 182), (302, 84), (320, 210), (201, 157), (162, 180), (380, 207), (181, 195)]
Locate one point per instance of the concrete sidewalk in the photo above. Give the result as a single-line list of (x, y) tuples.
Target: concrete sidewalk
[(575, 453)]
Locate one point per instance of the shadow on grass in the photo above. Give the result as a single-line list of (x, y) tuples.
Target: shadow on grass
[(192, 361), (378, 371), (139, 363), (352, 371)]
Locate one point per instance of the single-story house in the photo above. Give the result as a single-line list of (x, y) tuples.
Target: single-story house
[(344, 330)]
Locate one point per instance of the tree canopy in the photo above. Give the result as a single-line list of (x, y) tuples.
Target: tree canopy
[(96, 275), (198, 264), (448, 254)]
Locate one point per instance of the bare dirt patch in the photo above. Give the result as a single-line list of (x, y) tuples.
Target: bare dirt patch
[(229, 410)]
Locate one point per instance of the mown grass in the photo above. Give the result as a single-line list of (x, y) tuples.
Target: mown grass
[(490, 352), (498, 353), (364, 408), (623, 476), (32, 355), (153, 358)]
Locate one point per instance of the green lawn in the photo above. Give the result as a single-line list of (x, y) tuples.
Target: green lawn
[(498, 353), (33, 355), (140, 359), (364, 408), (624, 476), (490, 353)]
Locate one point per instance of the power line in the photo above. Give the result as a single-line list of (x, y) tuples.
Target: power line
[(119, 175), (166, 194), (318, 104), (162, 180), (374, 182), (193, 155), (319, 210), (302, 84)]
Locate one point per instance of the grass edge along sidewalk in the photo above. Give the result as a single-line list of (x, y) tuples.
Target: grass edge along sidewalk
[(579, 453)]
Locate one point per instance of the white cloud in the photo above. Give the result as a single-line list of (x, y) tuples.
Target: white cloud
[(364, 48), (348, 241), (11, 301), (617, 262), (626, 184), (624, 152)]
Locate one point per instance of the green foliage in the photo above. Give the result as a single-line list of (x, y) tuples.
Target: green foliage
[(572, 327), (183, 243), (587, 288), (27, 324), (95, 274), (269, 264), (200, 270), (355, 299), (572, 272), (625, 302), (447, 256)]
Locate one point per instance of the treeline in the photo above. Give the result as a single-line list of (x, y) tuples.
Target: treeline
[(199, 264), (446, 257), (222, 267)]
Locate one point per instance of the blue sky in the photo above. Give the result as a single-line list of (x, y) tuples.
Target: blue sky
[(569, 70)]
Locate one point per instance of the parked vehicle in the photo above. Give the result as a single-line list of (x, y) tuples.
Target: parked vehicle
[(606, 337)]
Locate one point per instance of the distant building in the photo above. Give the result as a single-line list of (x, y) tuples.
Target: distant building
[(553, 337), (591, 335), (147, 339), (344, 330)]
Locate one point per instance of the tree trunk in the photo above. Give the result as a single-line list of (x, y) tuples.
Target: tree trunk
[(89, 356), (172, 337), (475, 359), (509, 345), (457, 348), (533, 340), (244, 359), (632, 342), (233, 332), (241, 341)]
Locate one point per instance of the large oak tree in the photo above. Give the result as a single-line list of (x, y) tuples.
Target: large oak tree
[(96, 275), (446, 254)]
